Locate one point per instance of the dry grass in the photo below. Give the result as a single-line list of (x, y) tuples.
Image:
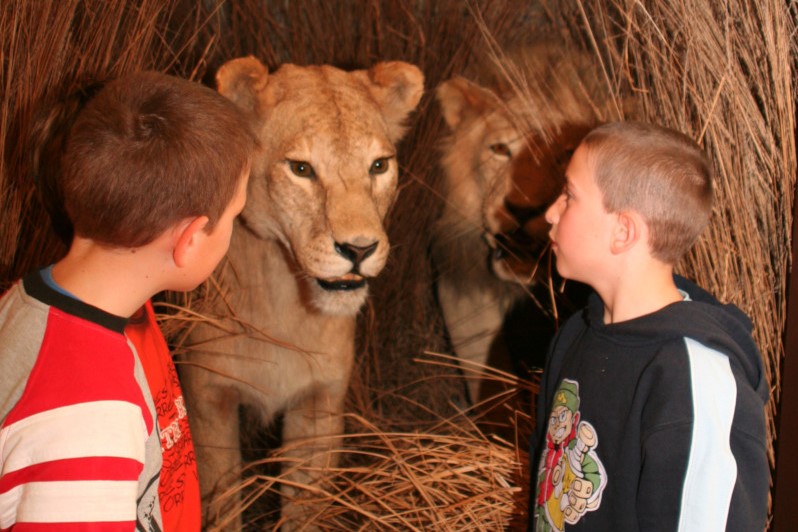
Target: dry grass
[(720, 71), (446, 476)]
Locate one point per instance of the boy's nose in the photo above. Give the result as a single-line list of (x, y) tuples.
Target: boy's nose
[(553, 212)]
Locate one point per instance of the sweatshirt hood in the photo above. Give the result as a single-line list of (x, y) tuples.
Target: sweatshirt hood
[(701, 317)]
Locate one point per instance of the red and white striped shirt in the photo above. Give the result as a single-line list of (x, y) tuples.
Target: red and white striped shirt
[(78, 444)]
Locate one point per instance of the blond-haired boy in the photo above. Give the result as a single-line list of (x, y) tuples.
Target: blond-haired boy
[(153, 171), (650, 414)]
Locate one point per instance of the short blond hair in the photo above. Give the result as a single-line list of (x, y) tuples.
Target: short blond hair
[(658, 172)]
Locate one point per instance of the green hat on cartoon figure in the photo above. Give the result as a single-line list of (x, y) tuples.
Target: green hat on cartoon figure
[(567, 395)]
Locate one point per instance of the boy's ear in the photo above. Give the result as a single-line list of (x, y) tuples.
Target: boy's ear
[(628, 230), (187, 237)]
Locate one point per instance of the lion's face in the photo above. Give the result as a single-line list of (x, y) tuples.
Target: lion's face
[(518, 231), (502, 176), (325, 174)]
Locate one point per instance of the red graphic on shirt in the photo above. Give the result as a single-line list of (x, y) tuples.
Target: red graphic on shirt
[(179, 485)]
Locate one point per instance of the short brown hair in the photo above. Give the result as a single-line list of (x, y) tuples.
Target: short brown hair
[(147, 151), (658, 172)]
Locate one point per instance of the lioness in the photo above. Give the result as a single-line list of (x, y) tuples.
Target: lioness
[(308, 241), (503, 165)]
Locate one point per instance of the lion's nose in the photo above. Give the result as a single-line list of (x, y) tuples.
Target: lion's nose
[(524, 213), (356, 254)]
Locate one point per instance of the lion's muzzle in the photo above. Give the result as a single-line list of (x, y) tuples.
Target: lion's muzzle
[(353, 280)]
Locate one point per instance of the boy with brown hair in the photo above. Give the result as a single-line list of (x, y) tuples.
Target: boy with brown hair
[(650, 414), (153, 173)]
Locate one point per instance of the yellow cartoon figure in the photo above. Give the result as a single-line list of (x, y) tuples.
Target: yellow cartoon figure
[(571, 476)]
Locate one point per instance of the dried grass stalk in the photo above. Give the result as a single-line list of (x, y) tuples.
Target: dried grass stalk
[(449, 478)]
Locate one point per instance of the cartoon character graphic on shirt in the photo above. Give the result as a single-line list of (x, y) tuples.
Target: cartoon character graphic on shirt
[(571, 477)]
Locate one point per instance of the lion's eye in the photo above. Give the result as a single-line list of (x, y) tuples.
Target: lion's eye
[(500, 148), (380, 166), (302, 169)]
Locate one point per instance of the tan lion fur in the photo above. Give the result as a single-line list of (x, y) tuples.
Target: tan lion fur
[(510, 140), (283, 343)]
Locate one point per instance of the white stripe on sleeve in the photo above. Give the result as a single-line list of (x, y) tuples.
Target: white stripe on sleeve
[(100, 428), (71, 502), (711, 469)]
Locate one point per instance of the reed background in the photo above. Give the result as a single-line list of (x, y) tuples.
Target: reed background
[(721, 71)]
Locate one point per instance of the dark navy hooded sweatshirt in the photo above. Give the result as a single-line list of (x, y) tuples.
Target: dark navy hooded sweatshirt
[(655, 423)]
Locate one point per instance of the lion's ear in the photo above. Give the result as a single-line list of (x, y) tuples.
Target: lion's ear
[(240, 80), (397, 86), (460, 98)]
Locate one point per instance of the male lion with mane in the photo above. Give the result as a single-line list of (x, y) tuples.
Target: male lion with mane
[(300, 258), (503, 164)]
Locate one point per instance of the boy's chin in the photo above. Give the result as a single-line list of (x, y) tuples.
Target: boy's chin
[(560, 264), (563, 270)]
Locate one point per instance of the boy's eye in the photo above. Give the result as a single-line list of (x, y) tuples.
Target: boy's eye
[(302, 169), (380, 166), (500, 148)]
